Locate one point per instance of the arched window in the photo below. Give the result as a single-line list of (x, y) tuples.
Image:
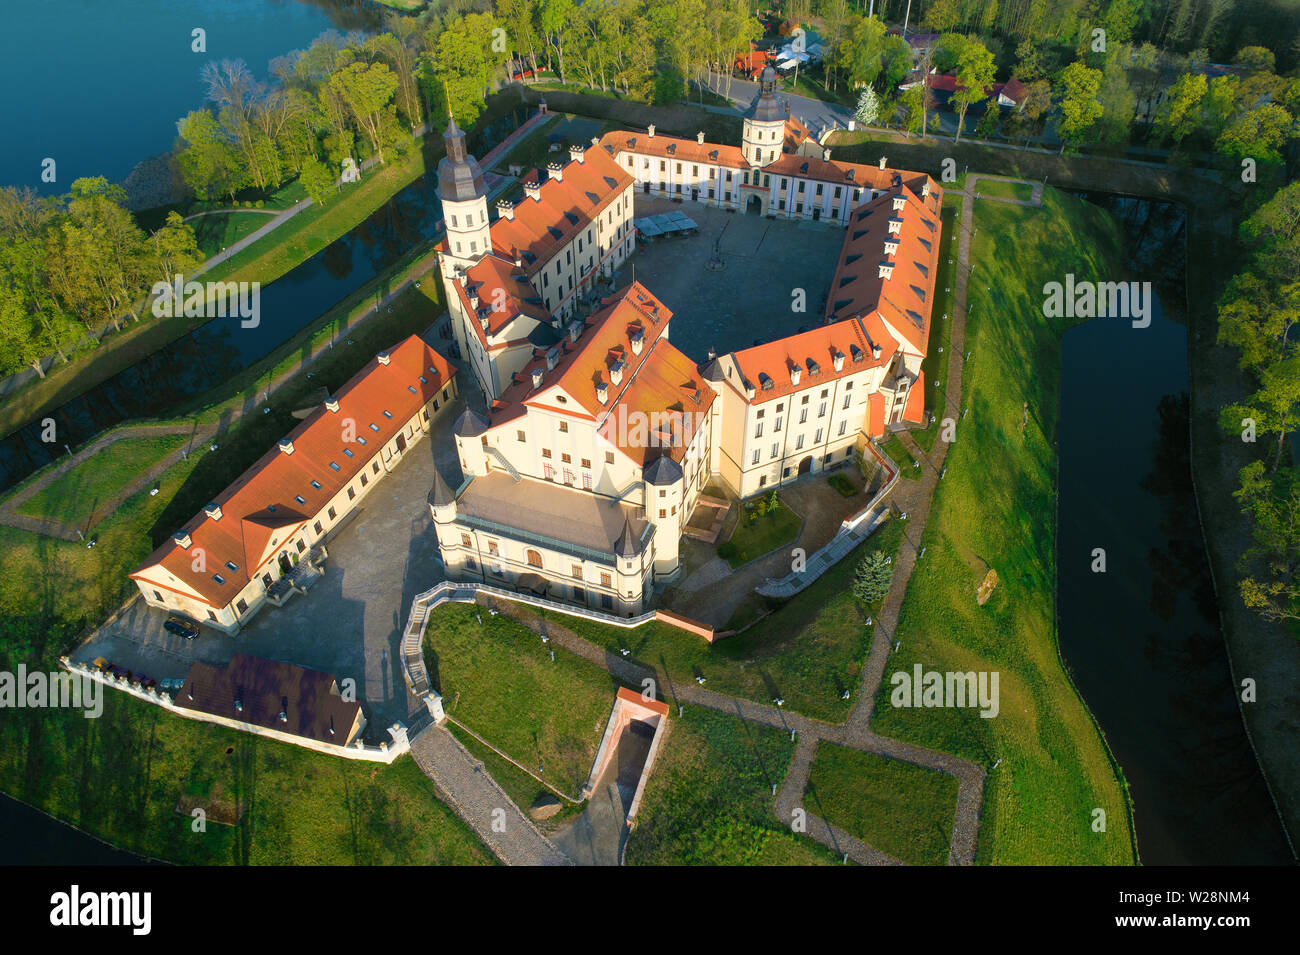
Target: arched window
[(534, 559)]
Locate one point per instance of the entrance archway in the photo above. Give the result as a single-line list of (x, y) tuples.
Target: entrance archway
[(805, 465), (755, 205)]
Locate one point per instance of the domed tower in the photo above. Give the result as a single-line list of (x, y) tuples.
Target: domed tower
[(464, 202), (764, 123), (471, 445)]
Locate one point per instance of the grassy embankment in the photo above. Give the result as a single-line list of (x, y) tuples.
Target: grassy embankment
[(996, 508), (708, 800), (904, 810), (499, 681), (808, 652), (758, 534)]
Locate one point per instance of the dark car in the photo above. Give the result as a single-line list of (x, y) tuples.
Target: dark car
[(182, 627)]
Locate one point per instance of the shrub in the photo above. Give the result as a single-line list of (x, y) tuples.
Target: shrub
[(727, 550)]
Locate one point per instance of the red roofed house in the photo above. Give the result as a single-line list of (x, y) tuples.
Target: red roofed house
[(263, 537)]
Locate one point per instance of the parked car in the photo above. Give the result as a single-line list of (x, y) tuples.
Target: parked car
[(182, 627)]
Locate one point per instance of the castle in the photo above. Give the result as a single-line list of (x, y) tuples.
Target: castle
[(600, 434)]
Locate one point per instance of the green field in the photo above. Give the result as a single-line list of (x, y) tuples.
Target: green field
[(808, 652), (899, 454), (997, 509), (904, 810), (73, 497), (219, 230), (497, 679), (709, 798), (935, 363), (1005, 189), (758, 534)]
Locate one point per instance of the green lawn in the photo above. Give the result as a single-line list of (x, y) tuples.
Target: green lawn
[(709, 798), (73, 497), (1005, 189), (534, 151), (219, 230), (997, 509), (842, 484), (807, 652), (904, 810), (899, 454), (758, 534), (497, 678)]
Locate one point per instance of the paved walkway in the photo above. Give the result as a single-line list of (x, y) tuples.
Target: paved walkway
[(464, 784)]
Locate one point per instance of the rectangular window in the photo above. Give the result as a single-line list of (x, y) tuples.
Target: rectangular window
[(375, 467), (755, 457), (822, 412), (579, 594), (548, 472), (843, 425), (609, 457), (465, 541), (331, 514), (241, 605), (301, 547), (575, 571), (546, 452), (758, 431), (317, 528), (316, 485), (818, 439), (566, 459), (777, 428), (846, 402), (520, 436), (799, 444), (762, 481), (564, 427), (776, 449), (605, 580), (586, 462), (352, 493), (492, 547), (803, 415), (586, 482), (606, 602)]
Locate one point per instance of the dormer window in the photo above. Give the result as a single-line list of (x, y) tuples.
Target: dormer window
[(374, 427), (333, 465), (316, 485), (387, 414)]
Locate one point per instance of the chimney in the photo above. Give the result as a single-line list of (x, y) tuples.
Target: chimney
[(616, 373), (900, 202), (384, 358), (519, 260), (473, 300), (462, 277), (556, 170), (875, 351), (638, 341), (506, 208), (925, 189), (602, 392), (552, 359), (483, 320), (213, 511), (699, 137), (182, 538), (332, 404), (886, 268), (533, 190), (749, 390), (895, 225), (795, 374), (286, 445), (838, 360), (575, 331), (891, 246), (882, 162), (650, 131), (578, 154), (537, 378)]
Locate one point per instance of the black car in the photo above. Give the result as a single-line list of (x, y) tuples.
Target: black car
[(181, 627)]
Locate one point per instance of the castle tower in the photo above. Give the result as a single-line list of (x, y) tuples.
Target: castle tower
[(764, 123), (664, 493), (464, 203)]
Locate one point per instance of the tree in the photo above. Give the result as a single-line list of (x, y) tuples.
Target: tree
[(871, 580), (1256, 316), (1118, 104), (1272, 504), (208, 164), (367, 89), (1275, 229), (1259, 134), (1179, 114), (1255, 58), (1272, 407), (174, 248), (317, 179), (400, 47), (974, 75), (1080, 109), (868, 110), (942, 15), (917, 102)]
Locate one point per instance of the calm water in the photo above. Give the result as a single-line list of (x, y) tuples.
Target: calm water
[(98, 85), (1143, 639), (29, 837)]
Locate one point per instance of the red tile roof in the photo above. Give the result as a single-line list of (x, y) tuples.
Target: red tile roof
[(904, 299), (767, 367), (876, 415), (260, 510), (672, 147), (504, 292), (564, 208), (914, 411)]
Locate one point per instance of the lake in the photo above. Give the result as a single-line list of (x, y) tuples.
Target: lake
[(98, 86), (1142, 639)]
